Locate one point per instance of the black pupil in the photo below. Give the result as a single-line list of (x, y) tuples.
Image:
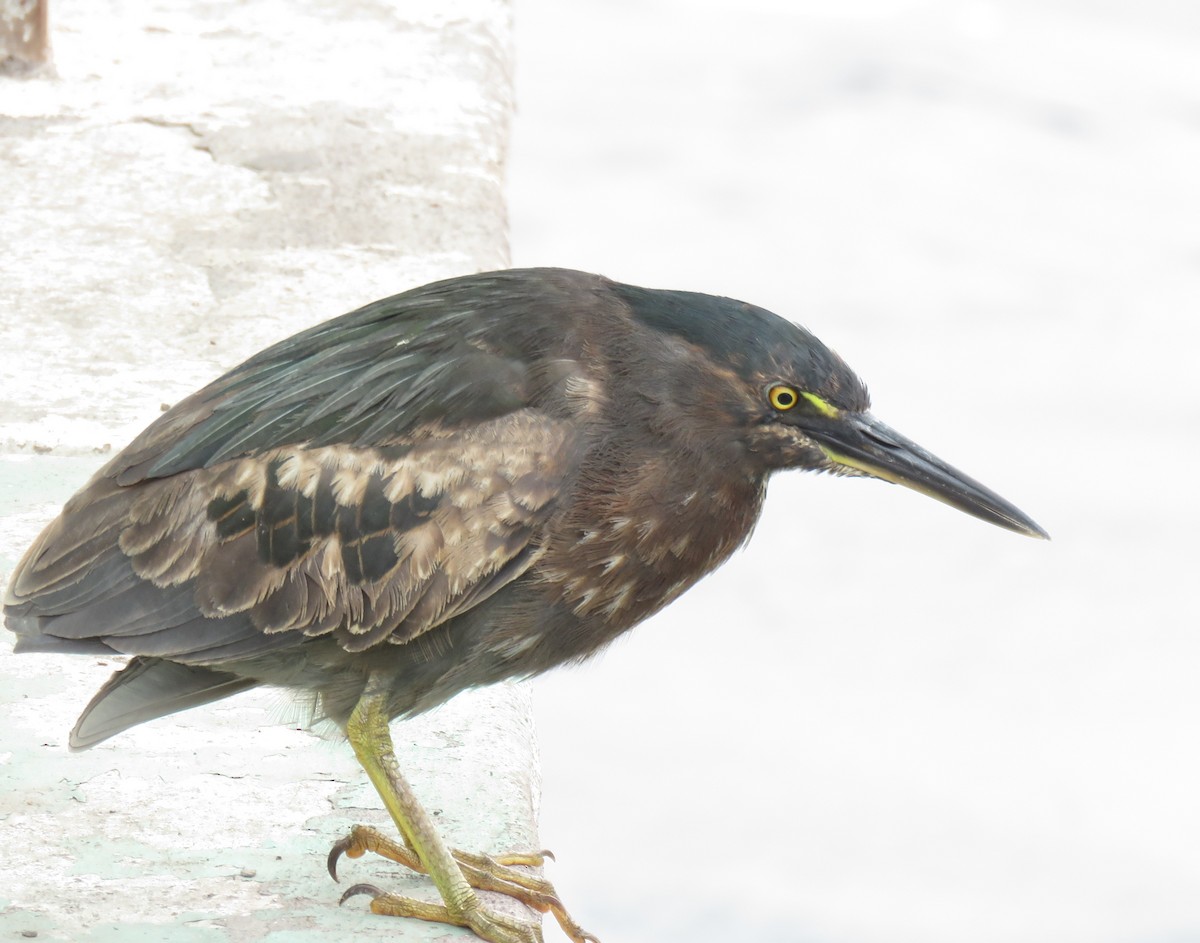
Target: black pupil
[(785, 398)]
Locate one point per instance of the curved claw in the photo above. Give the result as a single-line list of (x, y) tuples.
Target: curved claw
[(484, 872), (361, 889), (340, 847)]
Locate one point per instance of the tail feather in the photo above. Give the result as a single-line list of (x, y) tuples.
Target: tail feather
[(147, 688)]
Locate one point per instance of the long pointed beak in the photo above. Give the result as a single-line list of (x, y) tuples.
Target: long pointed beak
[(862, 442)]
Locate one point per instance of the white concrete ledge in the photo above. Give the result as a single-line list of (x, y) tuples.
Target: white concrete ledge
[(194, 183)]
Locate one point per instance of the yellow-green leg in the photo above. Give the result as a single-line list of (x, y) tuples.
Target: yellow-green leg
[(371, 738)]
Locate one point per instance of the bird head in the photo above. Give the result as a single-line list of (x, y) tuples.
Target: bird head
[(797, 404), (802, 428)]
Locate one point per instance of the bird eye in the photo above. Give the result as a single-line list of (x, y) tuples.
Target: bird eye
[(783, 397)]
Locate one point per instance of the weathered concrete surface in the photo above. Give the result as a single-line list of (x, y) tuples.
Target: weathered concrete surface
[(200, 182), (196, 182)]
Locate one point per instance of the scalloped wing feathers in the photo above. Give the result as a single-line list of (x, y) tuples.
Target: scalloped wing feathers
[(369, 545)]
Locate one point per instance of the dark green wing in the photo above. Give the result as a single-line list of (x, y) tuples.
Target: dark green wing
[(367, 479), (383, 372)]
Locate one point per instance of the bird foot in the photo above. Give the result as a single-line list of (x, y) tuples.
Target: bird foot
[(486, 924), (484, 872)]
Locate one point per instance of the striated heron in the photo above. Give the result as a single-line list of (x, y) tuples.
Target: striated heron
[(475, 480)]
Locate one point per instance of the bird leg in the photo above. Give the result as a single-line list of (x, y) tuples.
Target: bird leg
[(368, 732), (483, 872)]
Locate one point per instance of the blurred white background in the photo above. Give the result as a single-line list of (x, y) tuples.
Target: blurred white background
[(885, 721)]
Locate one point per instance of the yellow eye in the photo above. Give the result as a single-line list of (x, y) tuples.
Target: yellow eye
[(783, 397)]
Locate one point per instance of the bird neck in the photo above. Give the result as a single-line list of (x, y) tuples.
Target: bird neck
[(642, 526)]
